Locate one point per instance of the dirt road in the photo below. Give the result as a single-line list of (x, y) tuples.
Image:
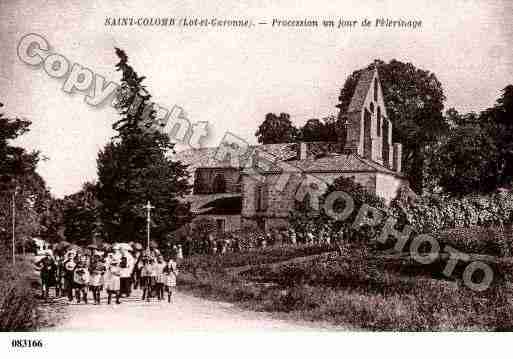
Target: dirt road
[(185, 313)]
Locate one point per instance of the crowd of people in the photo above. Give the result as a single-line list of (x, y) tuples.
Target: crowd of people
[(76, 273), (235, 242)]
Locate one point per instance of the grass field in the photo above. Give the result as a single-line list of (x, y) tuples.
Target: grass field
[(372, 291)]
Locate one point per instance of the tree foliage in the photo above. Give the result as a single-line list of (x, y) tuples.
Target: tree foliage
[(80, 216), (477, 154), (302, 218), (279, 129), (328, 129), (134, 168), (20, 182), (276, 129)]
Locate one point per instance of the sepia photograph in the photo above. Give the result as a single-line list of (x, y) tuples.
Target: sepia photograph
[(311, 167)]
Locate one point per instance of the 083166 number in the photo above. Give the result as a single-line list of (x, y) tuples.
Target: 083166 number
[(26, 343)]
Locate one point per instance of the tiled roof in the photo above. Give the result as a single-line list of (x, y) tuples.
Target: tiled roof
[(349, 162), (196, 158), (341, 163), (206, 157), (281, 151), (361, 90)]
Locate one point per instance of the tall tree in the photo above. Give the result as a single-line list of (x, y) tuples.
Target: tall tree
[(414, 100), (313, 130), (477, 154), (81, 216), (276, 129), (500, 121), (52, 220), (15, 161), (19, 181), (134, 168), (465, 162)]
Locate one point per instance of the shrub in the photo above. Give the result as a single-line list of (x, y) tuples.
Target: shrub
[(303, 220), (493, 241), (434, 213), (19, 309)]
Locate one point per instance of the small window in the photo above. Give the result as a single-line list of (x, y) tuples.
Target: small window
[(261, 223), (220, 225), (372, 107), (219, 185), (258, 197), (376, 90), (201, 182)]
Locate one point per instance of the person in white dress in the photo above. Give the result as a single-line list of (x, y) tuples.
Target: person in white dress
[(171, 274), (292, 236), (161, 278), (112, 281), (179, 253)]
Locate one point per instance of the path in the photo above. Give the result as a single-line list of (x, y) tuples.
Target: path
[(295, 260), (185, 313)]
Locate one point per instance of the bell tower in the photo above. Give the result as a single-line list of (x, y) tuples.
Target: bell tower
[(369, 131)]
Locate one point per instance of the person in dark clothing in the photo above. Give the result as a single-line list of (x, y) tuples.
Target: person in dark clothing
[(69, 269), (125, 280), (58, 277), (96, 279), (136, 271), (48, 273), (81, 280)]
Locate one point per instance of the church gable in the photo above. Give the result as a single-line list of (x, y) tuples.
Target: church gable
[(369, 129)]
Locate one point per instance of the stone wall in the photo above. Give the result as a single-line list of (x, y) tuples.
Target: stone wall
[(279, 202), (388, 185)]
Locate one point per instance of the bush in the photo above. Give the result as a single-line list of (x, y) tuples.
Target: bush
[(19, 309), (434, 213), (493, 241), (303, 220)]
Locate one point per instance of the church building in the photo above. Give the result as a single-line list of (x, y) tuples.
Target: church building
[(238, 194)]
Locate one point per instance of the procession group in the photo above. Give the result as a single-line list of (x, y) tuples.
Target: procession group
[(76, 273)]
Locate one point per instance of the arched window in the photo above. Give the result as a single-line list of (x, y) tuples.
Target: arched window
[(201, 182), (378, 127), (219, 185), (372, 107), (375, 89), (385, 147), (261, 194)]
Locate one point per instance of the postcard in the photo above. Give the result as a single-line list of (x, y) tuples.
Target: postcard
[(218, 169)]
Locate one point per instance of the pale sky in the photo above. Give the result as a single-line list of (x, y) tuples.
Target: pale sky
[(232, 77)]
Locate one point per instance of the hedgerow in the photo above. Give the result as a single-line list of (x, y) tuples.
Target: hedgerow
[(431, 214)]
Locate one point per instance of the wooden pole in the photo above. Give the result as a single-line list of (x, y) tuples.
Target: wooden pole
[(13, 227)]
